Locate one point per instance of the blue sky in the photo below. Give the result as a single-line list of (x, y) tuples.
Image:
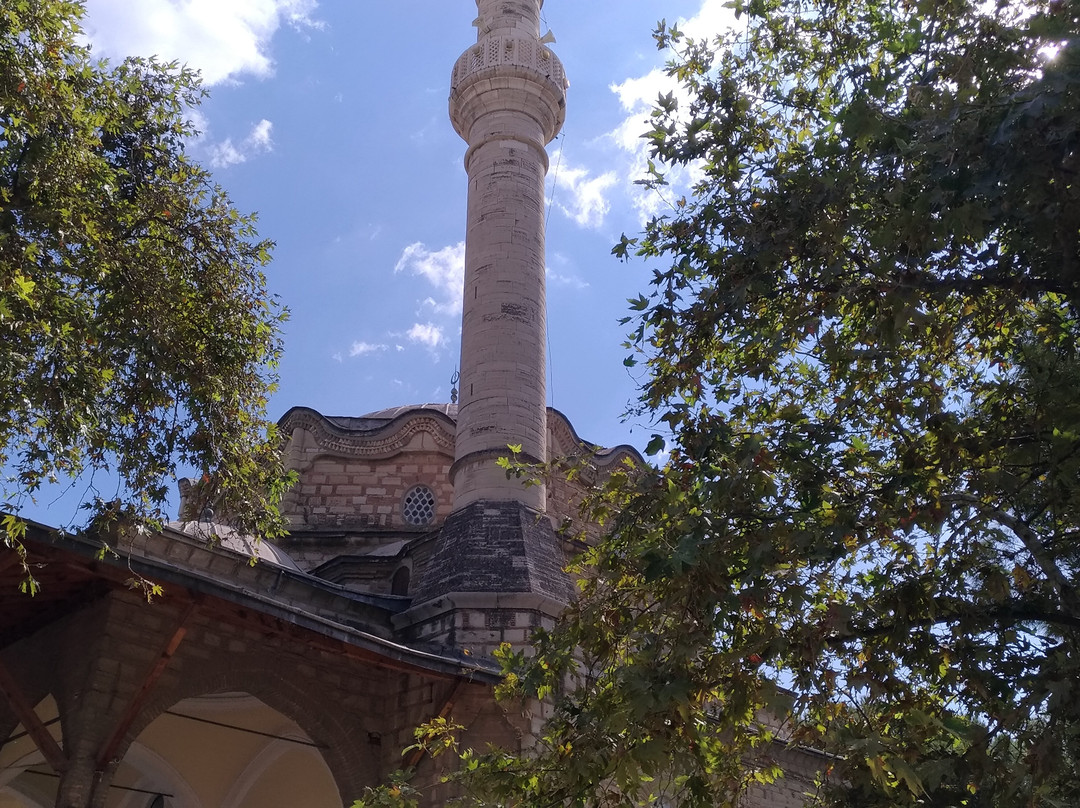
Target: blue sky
[(330, 119)]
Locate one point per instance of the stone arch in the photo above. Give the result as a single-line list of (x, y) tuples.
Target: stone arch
[(267, 757), (154, 773), (232, 751), (318, 715)]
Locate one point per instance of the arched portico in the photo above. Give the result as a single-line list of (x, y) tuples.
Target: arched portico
[(228, 750), (272, 713)]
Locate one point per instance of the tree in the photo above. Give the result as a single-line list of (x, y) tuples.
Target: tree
[(863, 344), (136, 331)]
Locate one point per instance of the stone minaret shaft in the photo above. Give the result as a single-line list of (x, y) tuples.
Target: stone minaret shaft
[(507, 100)]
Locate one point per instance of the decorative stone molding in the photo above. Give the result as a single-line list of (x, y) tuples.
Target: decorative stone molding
[(389, 439), (508, 74), (381, 442), (517, 50), (563, 441)]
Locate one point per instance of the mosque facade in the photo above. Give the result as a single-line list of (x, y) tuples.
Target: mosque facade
[(411, 554)]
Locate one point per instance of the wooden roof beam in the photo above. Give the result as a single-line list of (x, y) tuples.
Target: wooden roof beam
[(31, 722)]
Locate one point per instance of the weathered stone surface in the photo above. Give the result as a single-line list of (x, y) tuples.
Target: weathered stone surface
[(496, 547), (507, 101)]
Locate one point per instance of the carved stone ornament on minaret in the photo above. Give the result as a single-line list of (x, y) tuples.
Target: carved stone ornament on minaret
[(508, 101)]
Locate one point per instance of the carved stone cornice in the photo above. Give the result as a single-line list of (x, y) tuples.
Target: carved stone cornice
[(563, 441), (389, 436), (382, 441)]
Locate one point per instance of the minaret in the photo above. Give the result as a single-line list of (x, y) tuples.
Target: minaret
[(508, 101), (496, 569)]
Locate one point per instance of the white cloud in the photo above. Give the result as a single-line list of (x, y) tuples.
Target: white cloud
[(260, 135), (571, 281), (225, 154), (224, 39), (427, 334), (365, 348), (198, 120), (580, 196), (444, 269), (258, 141), (713, 18), (638, 96)]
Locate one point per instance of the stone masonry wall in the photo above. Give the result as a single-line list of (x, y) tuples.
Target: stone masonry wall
[(467, 704), (792, 790), (343, 492), (564, 508), (480, 631)]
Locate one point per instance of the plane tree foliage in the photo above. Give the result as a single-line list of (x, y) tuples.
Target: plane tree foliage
[(136, 331), (861, 345)]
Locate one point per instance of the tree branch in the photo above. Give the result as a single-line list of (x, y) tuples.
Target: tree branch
[(1031, 542)]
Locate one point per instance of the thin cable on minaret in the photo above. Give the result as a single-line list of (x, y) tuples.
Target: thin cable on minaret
[(547, 219), (554, 182)]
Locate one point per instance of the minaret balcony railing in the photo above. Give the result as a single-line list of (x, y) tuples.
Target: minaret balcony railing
[(513, 49)]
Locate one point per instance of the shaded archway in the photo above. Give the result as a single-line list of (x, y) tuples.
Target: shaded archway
[(399, 584), (317, 710), (226, 750)]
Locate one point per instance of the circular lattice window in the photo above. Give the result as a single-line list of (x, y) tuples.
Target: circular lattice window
[(418, 508)]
